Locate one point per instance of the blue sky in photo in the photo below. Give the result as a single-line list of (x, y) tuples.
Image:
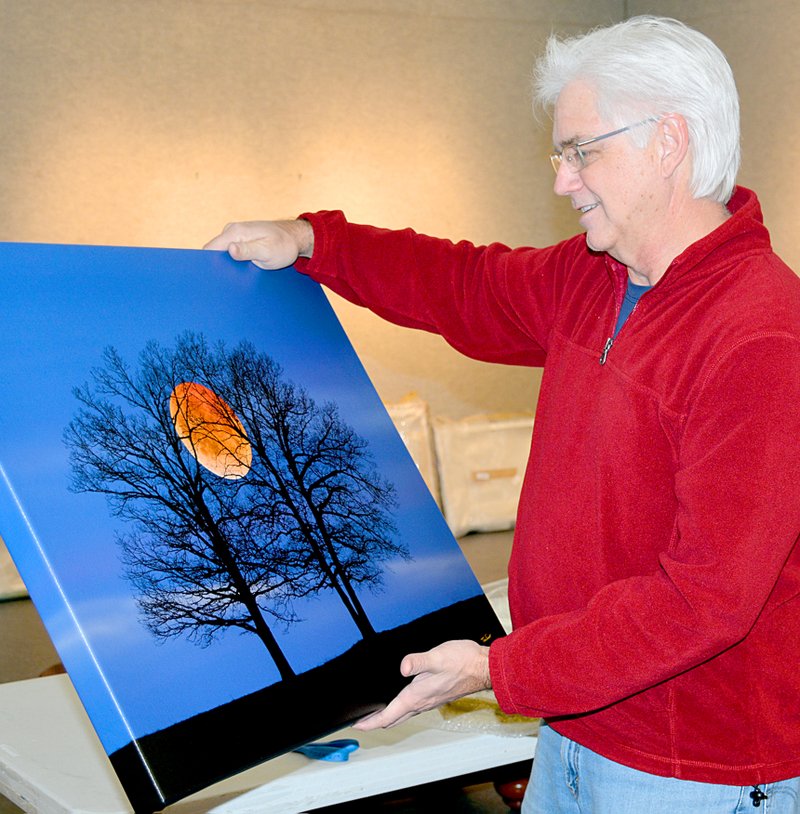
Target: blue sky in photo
[(62, 306)]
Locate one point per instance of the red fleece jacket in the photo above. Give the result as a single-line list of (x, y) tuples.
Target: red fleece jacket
[(655, 577)]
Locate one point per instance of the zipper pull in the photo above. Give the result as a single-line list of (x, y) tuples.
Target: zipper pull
[(606, 349)]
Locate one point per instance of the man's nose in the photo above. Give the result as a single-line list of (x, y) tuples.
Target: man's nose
[(566, 181)]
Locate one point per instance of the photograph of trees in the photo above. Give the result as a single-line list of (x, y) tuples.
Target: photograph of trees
[(242, 493), (223, 534)]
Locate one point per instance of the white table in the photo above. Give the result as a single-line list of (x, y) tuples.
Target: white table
[(51, 761)]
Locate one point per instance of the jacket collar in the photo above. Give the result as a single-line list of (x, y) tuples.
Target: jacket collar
[(746, 221)]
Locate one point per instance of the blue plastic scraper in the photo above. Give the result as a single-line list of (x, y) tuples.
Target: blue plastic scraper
[(331, 750)]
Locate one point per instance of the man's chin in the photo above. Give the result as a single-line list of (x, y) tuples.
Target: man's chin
[(594, 243)]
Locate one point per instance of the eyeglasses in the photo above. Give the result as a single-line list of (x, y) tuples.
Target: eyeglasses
[(575, 158)]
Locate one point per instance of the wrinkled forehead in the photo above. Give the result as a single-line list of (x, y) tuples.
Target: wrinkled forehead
[(575, 116)]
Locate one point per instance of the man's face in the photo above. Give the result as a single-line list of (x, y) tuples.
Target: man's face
[(617, 193)]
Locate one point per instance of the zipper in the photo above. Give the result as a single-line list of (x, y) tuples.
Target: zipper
[(611, 339), (606, 349)]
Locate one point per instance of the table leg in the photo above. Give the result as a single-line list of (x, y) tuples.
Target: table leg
[(511, 784)]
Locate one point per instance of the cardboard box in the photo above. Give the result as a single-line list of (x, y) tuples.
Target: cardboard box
[(411, 418), (482, 462)]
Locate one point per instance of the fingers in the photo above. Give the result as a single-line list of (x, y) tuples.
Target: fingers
[(449, 671), (224, 239), (244, 250), (378, 720), (396, 712), (235, 235), (268, 244), (264, 249), (409, 701), (382, 720), (414, 664), (219, 243)]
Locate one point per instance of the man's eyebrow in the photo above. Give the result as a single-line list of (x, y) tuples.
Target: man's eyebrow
[(567, 142)]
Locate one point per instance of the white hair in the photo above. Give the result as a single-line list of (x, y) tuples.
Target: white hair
[(651, 66)]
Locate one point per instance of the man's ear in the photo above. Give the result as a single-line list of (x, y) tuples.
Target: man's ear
[(673, 142)]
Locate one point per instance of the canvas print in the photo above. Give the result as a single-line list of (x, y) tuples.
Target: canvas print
[(222, 531)]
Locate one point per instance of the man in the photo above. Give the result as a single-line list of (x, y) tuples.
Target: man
[(655, 576)]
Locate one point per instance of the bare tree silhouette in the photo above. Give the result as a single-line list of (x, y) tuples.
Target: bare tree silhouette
[(242, 493), (316, 473)]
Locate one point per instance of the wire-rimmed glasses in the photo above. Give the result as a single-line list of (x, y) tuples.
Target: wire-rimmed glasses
[(575, 158)]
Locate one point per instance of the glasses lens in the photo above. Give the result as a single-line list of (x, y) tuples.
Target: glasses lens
[(571, 156)]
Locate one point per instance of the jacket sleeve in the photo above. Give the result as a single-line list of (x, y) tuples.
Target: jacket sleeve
[(723, 583), (491, 303)]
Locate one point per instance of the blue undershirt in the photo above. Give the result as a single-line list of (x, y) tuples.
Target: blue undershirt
[(632, 294)]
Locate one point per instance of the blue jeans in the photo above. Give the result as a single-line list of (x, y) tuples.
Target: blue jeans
[(570, 779)]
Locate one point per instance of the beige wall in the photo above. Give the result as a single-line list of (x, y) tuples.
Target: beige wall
[(153, 122)]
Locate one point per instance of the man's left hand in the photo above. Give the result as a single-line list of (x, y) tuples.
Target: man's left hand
[(449, 671)]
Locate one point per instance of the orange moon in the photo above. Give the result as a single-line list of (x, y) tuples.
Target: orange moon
[(210, 430)]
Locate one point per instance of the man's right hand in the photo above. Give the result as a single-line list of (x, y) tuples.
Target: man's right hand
[(268, 244)]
